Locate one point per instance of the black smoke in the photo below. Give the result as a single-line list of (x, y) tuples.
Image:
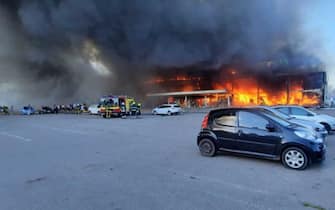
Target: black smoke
[(44, 58)]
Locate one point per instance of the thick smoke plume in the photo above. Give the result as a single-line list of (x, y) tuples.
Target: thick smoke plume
[(59, 51)]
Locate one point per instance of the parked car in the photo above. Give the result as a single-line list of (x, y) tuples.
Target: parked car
[(94, 109), (27, 110), (252, 132), (46, 110), (302, 113), (311, 125), (167, 109), (4, 109)]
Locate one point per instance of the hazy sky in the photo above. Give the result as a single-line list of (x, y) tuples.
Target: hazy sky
[(319, 23)]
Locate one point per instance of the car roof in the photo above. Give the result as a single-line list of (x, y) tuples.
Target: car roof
[(232, 109), (288, 106), (261, 107)]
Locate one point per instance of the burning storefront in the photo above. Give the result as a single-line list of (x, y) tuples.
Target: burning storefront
[(233, 86), (200, 98)]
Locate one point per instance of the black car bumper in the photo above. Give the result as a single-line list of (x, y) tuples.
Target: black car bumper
[(319, 154)]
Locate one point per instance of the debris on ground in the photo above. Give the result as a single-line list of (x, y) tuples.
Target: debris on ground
[(39, 179), (309, 205)]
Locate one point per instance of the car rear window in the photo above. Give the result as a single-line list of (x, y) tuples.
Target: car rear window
[(227, 118)]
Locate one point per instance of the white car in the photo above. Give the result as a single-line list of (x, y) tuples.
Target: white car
[(301, 113), (314, 126), (167, 109), (94, 109)]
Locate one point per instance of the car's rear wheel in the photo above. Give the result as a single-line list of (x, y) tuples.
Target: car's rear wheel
[(295, 158), (207, 148), (155, 113)]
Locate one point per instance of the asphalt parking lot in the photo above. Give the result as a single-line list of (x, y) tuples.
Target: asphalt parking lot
[(87, 162)]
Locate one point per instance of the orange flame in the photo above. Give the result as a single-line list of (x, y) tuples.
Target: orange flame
[(248, 92)]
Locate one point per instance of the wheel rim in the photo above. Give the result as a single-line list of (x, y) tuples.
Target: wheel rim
[(294, 159), (206, 147)]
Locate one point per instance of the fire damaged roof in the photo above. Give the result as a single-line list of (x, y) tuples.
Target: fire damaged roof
[(188, 93)]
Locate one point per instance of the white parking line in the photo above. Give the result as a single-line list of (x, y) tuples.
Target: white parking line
[(15, 136), (68, 131), (64, 130)]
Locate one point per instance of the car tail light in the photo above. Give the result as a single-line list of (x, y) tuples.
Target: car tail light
[(204, 123)]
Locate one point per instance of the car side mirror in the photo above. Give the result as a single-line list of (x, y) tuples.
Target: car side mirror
[(270, 127)]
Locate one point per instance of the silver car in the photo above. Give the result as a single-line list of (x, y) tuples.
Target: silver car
[(302, 113), (316, 127)]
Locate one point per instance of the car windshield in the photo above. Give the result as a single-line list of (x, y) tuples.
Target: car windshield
[(279, 120), (309, 111)]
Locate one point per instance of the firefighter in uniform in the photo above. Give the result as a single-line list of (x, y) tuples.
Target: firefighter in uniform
[(135, 109), (123, 110)]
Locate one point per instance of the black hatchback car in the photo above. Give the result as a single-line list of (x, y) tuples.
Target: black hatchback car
[(251, 132)]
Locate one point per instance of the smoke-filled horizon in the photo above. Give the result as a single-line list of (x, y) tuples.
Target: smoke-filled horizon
[(62, 51)]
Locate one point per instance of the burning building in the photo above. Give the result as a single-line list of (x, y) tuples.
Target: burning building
[(231, 85)]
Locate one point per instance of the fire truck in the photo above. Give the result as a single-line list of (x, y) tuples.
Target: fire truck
[(118, 106)]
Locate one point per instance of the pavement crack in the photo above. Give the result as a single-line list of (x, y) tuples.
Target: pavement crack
[(39, 179), (313, 206), (193, 177), (316, 186)]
